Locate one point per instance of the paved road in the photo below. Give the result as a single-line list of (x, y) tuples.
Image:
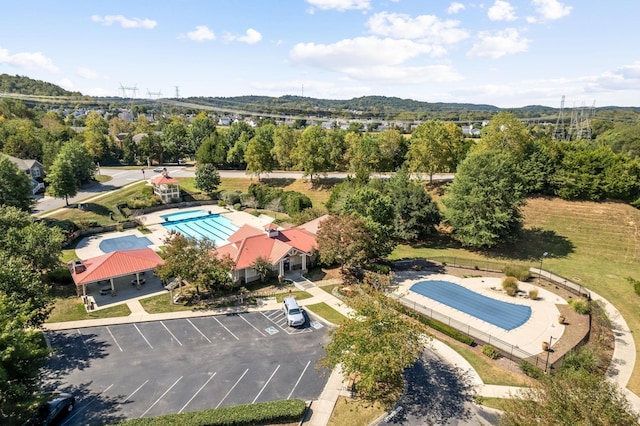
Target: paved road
[(437, 394), (151, 368), (121, 177)]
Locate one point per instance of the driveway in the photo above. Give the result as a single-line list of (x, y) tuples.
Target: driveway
[(147, 369)]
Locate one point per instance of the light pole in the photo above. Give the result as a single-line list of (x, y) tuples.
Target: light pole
[(545, 254), (546, 364)]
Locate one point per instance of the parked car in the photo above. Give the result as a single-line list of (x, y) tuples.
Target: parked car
[(292, 312), (159, 169), (54, 409)]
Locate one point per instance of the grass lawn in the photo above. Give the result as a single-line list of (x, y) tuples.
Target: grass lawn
[(593, 244), (487, 369), (299, 295), (162, 303), (327, 312), (69, 307), (354, 412), (497, 403)]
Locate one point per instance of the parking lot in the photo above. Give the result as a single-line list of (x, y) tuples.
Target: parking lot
[(152, 368)]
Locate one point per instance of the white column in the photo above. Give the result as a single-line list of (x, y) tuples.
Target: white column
[(304, 262)]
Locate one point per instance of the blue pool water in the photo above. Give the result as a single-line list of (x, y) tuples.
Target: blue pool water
[(127, 242), (200, 224), (502, 314)]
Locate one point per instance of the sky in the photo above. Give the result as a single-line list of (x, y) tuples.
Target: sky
[(504, 53)]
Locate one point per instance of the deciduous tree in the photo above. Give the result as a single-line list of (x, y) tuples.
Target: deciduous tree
[(207, 178), (15, 187), (62, 180), (343, 240)]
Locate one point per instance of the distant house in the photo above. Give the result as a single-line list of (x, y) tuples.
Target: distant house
[(34, 169), (166, 187), (286, 249)]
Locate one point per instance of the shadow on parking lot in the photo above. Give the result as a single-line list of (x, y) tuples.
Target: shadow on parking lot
[(91, 408), (72, 351), (435, 391)]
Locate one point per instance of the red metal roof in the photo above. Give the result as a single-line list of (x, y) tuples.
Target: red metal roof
[(116, 264), (164, 180)]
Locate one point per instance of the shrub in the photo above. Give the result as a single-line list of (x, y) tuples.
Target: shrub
[(60, 275), (510, 285), (229, 197), (530, 369), (264, 194), (521, 273), (273, 412), (237, 206), (490, 351), (580, 359), (533, 294), (581, 306), (294, 202), (636, 285), (222, 203)]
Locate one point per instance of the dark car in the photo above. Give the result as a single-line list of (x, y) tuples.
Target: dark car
[(54, 409)]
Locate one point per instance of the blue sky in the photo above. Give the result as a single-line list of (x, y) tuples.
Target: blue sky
[(503, 53)]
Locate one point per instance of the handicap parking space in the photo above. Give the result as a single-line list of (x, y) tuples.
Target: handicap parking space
[(151, 368)]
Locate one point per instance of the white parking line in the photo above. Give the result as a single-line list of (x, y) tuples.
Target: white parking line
[(197, 392), (245, 320), (299, 378), (161, 396), (145, 339), (93, 398), (134, 392), (223, 326), (114, 339), (232, 388), (198, 330), (172, 335), (265, 385)]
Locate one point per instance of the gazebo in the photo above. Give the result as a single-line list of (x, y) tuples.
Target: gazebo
[(112, 265), (166, 187)]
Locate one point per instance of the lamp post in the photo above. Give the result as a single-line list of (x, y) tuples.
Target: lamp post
[(545, 254), (546, 364)]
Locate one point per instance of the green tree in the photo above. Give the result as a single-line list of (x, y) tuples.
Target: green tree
[(312, 153), (79, 157), (212, 150), (95, 136), (207, 178), (416, 214), (506, 133), (572, 397), (393, 147), (258, 155), (15, 187), (202, 127), (436, 146), (363, 155), (263, 268), (284, 142), (375, 345), (343, 240), (483, 202), (62, 180), (176, 141)]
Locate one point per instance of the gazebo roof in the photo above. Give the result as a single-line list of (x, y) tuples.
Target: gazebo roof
[(164, 180), (115, 264)]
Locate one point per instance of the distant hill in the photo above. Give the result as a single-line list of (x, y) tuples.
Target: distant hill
[(28, 86)]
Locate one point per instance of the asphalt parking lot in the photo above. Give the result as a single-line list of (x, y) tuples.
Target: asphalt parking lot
[(151, 368)]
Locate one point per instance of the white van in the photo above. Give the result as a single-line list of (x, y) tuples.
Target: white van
[(292, 312)]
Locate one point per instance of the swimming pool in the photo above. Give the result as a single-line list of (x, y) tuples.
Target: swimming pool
[(501, 314), (200, 224)]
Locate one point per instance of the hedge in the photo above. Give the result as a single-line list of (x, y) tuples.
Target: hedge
[(288, 411)]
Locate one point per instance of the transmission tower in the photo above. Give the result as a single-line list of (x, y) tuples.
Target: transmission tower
[(154, 95), (177, 91), (129, 92), (559, 132)]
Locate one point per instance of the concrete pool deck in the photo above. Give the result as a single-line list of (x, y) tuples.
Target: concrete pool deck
[(89, 246), (542, 325)]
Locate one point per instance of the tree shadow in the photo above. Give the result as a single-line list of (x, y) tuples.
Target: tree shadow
[(532, 244), (436, 391), (97, 209), (71, 351), (91, 408), (277, 182), (325, 183)]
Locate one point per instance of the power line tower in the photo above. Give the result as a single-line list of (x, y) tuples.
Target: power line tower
[(154, 95), (129, 92), (584, 125), (177, 91), (559, 131)]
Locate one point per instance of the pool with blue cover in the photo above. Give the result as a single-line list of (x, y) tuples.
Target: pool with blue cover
[(501, 314), (200, 224), (127, 242)]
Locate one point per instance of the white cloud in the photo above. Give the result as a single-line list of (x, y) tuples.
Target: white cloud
[(87, 73), (65, 83), (201, 33), (426, 27), (341, 5), (624, 78), (251, 37), (551, 9), (498, 44), (27, 60), (124, 22), (455, 7), (374, 59), (502, 11)]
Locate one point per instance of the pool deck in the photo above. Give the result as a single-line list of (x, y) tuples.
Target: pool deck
[(90, 246), (542, 325)]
